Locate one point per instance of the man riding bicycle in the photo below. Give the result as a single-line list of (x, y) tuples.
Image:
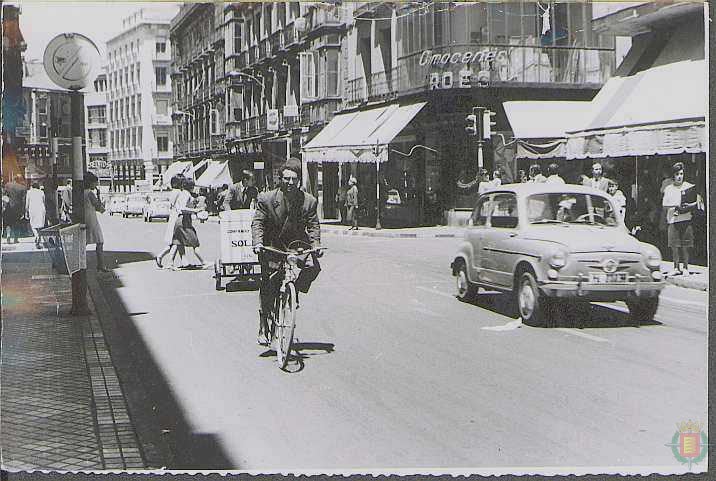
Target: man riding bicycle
[(283, 216)]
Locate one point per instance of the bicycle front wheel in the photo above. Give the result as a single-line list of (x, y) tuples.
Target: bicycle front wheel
[(285, 324)]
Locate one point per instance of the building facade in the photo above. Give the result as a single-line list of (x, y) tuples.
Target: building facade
[(139, 97), (13, 46), (96, 141), (197, 78), (427, 65), (46, 116)]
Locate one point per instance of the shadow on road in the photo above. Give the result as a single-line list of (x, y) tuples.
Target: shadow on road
[(296, 362), (159, 419), (563, 314)]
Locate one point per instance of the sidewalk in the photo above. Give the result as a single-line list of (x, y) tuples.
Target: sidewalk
[(62, 405)]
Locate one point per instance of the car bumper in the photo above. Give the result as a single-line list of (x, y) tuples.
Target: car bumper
[(599, 291)]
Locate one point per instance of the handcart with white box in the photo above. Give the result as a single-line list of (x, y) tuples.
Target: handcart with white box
[(237, 258)]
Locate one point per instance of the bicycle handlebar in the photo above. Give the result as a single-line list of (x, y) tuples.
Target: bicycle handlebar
[(288, 253)]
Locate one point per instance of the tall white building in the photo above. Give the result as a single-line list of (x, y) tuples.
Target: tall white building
[(97, 144), (139, 97)]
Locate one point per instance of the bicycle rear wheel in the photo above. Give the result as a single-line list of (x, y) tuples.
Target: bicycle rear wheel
[(285, 324)]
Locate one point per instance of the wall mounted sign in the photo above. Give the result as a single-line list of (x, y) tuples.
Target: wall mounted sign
[(427, 57)]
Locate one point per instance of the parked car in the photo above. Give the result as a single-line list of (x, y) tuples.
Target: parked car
[(116, 205), (543, 242), (134, 205), (157, 208)]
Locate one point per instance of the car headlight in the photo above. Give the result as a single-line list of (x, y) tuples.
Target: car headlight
[(652, 258), (558, 259)]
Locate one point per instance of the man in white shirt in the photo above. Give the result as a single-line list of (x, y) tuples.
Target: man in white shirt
[(553, 175), (596, 181)]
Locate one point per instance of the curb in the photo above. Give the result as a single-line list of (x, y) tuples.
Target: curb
[(389, 234), (689, 283)]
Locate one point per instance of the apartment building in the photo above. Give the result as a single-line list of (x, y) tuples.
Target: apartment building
[(282, 80), (197, 77), (13, 46), (412, 72), (96, 142), (139, 97)]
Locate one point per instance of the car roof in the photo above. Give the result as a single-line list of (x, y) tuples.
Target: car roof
[(529, 188)]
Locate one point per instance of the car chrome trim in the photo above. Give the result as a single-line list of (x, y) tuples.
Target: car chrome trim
[(504, 251)]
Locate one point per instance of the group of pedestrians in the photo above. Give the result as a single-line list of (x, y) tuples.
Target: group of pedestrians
[(680, 201), (180, 237)]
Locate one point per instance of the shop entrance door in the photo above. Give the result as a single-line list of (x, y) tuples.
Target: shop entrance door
[(330, 190)]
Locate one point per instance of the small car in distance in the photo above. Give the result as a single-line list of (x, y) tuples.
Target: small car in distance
[(548, 242), (116, 205), (157, 208), (134, 205)]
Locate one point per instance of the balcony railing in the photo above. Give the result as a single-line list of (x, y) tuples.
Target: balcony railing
[(319, 112), (468, 65)]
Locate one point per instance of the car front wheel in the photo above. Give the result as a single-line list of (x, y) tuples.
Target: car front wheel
[(465, 290), (642, 310), (532, 306)]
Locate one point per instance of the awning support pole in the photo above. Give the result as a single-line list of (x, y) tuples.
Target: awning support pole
[(377, 186)]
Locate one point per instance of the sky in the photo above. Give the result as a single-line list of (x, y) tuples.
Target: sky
[(100, 21)]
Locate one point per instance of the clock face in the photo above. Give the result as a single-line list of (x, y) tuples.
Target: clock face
[(69, 60)]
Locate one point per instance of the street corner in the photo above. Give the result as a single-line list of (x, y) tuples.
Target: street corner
[(697, 278)]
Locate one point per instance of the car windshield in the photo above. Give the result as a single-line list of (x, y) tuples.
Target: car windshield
[(570, 208)]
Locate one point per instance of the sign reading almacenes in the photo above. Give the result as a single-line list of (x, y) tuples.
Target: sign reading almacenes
[(428, 57)]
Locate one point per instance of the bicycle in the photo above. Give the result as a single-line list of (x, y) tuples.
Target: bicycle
[(283, 317)]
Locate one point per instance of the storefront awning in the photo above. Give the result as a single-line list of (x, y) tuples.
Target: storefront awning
[(175, 168), (215, 175), (353, 137), (545, 119), (660, 110)]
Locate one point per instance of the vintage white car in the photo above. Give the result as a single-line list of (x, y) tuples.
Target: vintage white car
[(116, 205), (156, 208), (544, 242), (134, 205)]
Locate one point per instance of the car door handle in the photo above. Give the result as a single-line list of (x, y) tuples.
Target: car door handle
[(512, 234)]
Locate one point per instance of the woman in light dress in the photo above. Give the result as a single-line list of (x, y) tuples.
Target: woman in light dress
[(94, 231), (35, 210), (174, 213)]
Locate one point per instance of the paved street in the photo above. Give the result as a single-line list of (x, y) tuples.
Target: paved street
[(394, 371)]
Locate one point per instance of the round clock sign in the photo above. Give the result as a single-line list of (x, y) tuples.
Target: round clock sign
[(70, 60)]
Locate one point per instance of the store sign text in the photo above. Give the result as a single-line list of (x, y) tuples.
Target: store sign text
[(428, 57)]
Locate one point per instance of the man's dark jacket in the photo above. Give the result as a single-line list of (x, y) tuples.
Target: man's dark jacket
[(272, 225)]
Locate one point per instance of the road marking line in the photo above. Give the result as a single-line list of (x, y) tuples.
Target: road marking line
[(582, 334), (510, 326), (439, 293)]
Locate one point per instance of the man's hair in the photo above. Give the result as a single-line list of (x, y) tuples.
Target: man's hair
[(597, 164), (552, 169), (176, 181), (90, 177), (535, 169), (35, 185), (676, 168), (292, 164), (246, 175), (188, 183), (225, 186), (18, 178), (68, 182)]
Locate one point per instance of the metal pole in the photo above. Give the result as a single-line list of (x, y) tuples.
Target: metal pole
[(79, 278), (480, 161), (53, 159), (377, 187)]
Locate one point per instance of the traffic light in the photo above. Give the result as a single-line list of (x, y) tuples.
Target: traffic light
[(487, 124), (471, 127)]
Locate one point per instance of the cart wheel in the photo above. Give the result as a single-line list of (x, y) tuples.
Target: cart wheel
[(217, 275)]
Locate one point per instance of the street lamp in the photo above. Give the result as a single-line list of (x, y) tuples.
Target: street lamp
[(234, 74)]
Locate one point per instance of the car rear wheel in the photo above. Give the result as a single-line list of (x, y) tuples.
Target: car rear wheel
[(532, 306), (465, 290), (642, 310)]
